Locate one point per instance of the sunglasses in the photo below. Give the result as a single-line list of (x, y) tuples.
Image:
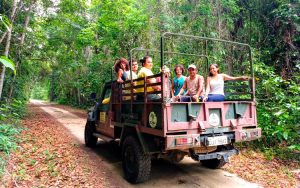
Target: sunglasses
[(191, 69)]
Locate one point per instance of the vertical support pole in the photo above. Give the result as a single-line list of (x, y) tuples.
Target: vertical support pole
[(162, 51), (145, 102), (131, 83), (252, 75)]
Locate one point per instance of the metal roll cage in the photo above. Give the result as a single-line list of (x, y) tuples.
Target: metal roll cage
[(205, 39)]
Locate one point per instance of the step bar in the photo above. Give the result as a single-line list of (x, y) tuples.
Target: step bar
[(104, 138), (216, 155)]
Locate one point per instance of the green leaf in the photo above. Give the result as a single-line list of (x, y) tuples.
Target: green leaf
[(8, 63), (294, 147), (279, 113), (285, 135), (5, 21)]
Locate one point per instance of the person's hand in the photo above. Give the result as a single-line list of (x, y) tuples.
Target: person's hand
[(177, 97), (196, 98), (205, 98), (245, 77), (156, 88), (120, 80)]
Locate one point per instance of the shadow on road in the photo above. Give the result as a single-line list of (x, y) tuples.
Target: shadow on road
[(162, 170)]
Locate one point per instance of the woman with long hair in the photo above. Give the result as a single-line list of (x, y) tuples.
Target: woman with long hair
[(215, 84), (122, 69)]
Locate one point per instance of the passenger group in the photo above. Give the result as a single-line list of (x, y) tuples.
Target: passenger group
[(184, 89)]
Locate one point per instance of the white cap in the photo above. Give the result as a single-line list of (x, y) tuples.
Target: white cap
[(192, 66)]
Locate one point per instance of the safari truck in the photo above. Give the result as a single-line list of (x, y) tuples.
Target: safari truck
[(146, 129)]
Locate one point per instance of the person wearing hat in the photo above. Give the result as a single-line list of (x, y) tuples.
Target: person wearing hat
[(194, 84)]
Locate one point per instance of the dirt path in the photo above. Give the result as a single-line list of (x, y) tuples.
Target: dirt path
[(49, 156), (53, 154)]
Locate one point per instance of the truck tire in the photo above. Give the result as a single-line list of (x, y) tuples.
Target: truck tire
[(89, 138), (136, 164), (213, 163)]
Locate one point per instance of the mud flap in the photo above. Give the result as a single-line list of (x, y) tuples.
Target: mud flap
[(216, 155)]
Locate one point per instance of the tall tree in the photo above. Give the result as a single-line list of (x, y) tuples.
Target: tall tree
[(28, 13), (8, 40)]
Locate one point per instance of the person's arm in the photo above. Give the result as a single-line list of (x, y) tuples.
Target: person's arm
[(151, 81), (196, 97), (182, 89), (173, 89), (227, 77), (207, 89), (201, 85)]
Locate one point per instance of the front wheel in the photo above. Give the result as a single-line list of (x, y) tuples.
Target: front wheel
[(89, 138), (136, 164)]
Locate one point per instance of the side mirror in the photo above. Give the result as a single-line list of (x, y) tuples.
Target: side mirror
[(93, 96)]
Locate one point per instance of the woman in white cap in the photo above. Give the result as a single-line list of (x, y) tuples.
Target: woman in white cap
[(215, 84), (194, 84)]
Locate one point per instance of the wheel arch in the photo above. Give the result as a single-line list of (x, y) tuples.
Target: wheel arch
[(91, 116), (147, 141)]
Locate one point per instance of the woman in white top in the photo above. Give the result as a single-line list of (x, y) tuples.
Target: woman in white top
[(215, 84)]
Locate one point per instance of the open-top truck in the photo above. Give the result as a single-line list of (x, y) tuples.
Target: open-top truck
[(162, 128)]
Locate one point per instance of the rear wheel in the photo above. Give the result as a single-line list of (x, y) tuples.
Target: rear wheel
[(89, 138), (136, 164)]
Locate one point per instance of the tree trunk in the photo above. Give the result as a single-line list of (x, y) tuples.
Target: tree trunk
[(19, 58), (7, 46), (3, 37), (79, 96), (219, 18)]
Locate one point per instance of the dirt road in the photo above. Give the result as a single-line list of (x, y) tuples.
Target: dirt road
[(187, 173)]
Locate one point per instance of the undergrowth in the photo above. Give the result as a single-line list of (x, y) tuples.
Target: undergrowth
[(10, 115), (8, 143)]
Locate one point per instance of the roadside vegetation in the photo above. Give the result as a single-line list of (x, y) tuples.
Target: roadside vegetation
[(9, 130)]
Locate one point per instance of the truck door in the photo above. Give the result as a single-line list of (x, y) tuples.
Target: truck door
[(104, 122)]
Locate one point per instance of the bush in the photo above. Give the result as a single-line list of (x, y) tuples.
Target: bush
[(7, 137), (9, 115), (8, 141), (278, 111), (12, 111)]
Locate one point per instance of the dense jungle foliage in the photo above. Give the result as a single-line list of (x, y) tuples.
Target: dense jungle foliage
[(64, 49)]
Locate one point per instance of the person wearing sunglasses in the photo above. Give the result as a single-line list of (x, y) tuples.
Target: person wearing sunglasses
[(134, 69), (215, 84), (194, 84)]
